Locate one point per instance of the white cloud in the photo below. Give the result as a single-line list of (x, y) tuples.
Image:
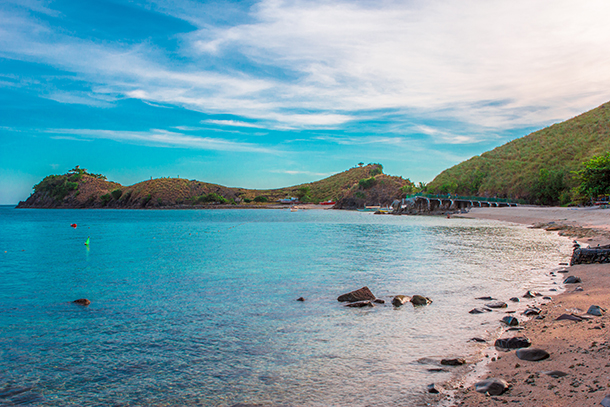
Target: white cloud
[(489, 64), (162, 138)]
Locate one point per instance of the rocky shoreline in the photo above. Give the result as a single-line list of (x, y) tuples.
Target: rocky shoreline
[(560, 355)]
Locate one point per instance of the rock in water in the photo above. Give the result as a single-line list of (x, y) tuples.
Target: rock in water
[(363, 294), (498, 304), (513, 343), (532, 354), (420, 300), (515, 299), (572, 280), (494, 387), (301, 299), (532, 294), (82, 301), (595, 310), (360, 304), (453, 362), (510, 321), (488, 298), (400, 300), (378, 301)]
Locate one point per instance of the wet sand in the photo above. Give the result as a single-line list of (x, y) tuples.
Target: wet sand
[(581, 349)]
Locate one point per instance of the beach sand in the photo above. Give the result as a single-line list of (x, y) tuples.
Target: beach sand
[(579, 348)]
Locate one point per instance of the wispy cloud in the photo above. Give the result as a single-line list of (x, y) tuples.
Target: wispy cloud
[(162, 138), (296, 172), (233, 123), (320, 65)]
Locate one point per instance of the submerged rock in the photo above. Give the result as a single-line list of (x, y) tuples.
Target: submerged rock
[(363, 294), (513, 343), (572, 280), (497, 304), (493, 387), (420, 300), (453, 362), (479, 310), (378, 301), (400, 300), (475, 339), (532, 354), (488, 298), (301, 299), (82, 301), (360, 304)]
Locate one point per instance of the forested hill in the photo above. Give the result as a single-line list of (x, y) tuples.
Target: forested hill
[(361, 185), (538, 167)]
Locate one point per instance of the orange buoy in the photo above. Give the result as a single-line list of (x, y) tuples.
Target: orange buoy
[(73, 225)]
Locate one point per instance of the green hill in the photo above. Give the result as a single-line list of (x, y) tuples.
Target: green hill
[(538, 167), (79, 189)]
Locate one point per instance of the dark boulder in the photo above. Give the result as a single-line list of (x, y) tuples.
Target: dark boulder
[(363, 294), (493, 387), (515, 299), (572, 280), (488, 298), (453, 362), (532, 311), (497, 304), (532, 354), (301, 299), (510, 321), (569, 317), (595, 310), (82, 301), (420, 300), (516, 342), (400, 300), (378, 301), (606, 401), (360, 304)]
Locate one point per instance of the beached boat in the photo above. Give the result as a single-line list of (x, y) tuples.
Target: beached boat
[(329, 202), (294, 208)]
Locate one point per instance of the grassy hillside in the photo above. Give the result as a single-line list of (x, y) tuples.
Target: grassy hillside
[(537, 167), (80, 189)]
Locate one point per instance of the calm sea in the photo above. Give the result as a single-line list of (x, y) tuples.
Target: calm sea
[(199, 307)]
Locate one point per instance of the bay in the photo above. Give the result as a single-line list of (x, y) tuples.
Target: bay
[(198, 307)]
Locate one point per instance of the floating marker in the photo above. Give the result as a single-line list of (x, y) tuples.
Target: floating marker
[(87, 242)]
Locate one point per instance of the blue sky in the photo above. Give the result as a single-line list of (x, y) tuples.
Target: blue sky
[(272, 93)]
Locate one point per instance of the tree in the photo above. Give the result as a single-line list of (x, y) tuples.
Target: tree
[(595, 176), (302, 192), (549, 186), (360, 164)]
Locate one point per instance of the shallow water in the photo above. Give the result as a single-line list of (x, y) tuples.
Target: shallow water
[(198, 307)]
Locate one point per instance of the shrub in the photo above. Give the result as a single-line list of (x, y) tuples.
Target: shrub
[(360, 195), (247, 200), (367, 183), (116, 194), (105, 199), (146, 199), (377, 169), (212, 197), (261, 198)]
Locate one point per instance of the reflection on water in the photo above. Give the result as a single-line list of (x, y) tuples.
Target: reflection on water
[(198, 307)]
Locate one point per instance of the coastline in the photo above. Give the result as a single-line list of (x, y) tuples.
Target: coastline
[(581, 349)]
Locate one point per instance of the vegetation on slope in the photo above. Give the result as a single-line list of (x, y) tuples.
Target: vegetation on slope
[(539, 168), (79, 189)]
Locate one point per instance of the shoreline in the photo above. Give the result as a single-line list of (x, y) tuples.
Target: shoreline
[(581, 349)]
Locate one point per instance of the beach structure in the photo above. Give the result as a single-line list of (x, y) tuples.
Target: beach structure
[(422, 203)]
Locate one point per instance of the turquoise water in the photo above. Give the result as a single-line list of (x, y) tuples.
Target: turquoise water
[(198, 307)]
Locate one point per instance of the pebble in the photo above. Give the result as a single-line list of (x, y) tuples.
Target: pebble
[(360, 304), (555, 373), (498, 304), (572, 280), (516, 342), (510, 321), (479, 310), (432, 389)]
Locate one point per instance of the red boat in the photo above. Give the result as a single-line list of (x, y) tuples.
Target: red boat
[(329, 202)]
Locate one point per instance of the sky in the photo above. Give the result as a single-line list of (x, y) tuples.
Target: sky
[(267, 94)]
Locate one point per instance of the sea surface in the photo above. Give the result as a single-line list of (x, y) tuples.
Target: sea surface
[(198, 307)]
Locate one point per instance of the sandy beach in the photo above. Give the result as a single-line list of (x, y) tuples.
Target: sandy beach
[(579, 350)]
